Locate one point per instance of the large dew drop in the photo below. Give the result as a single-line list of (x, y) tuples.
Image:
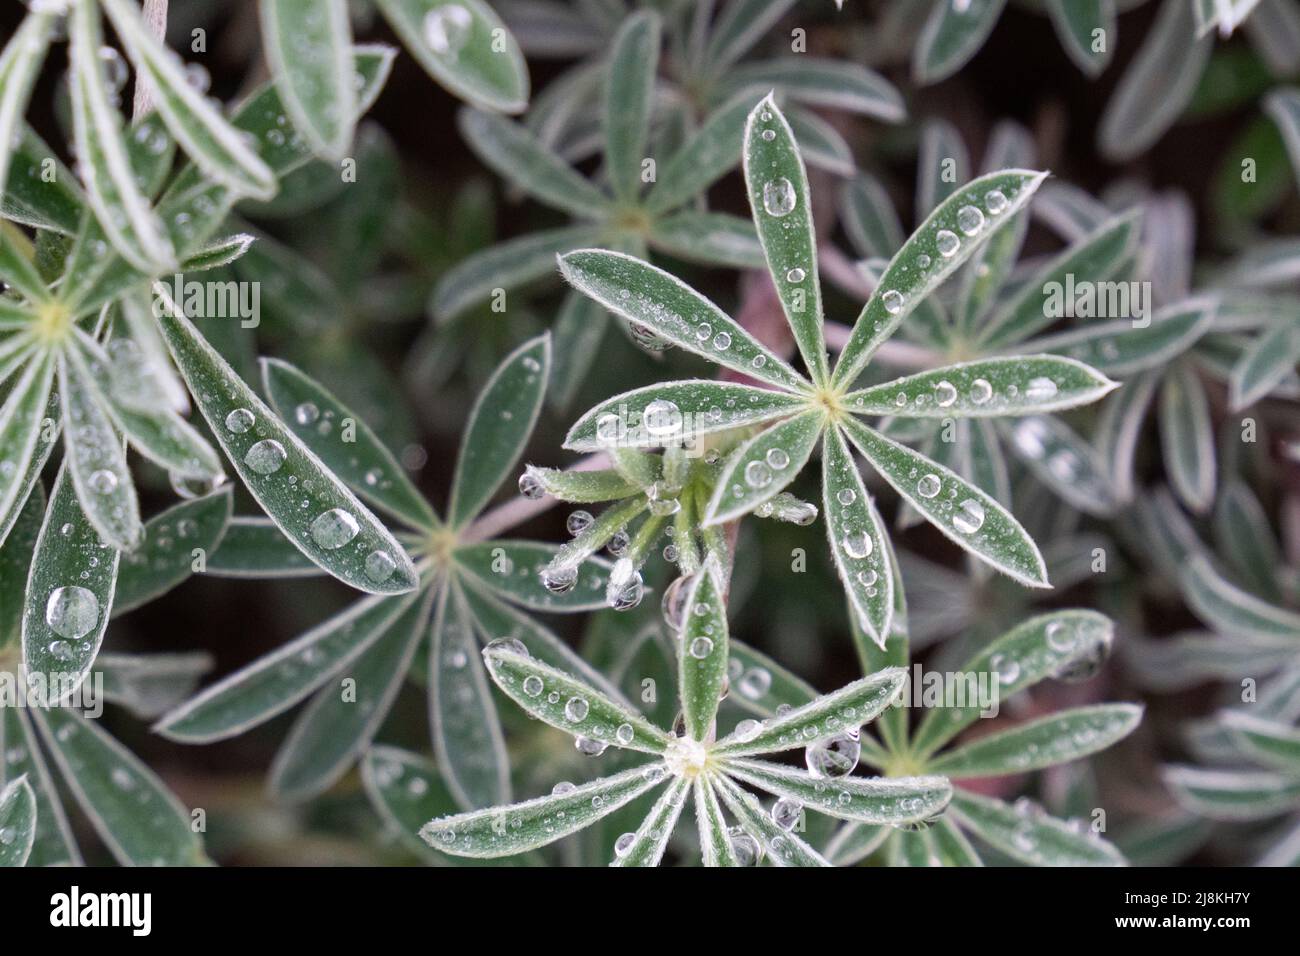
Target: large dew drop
[(969, 517), (265, 457), (857, 545), (970, 220), (779, 197), (833, 757), (662, 417), (947, 243), (72, 612), (447, 28), (334, 528)]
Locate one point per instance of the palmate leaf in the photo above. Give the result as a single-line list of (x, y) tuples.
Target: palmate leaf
[(951, 36), (781, 847), (309, 49), (679, 413), (341, 720), (20, 62), (174, 543), (570, 705), (344, 442), (338, 533), (857, 538), (1045, 742), (782, 206), (843, 710), (1057, 644), (933, 252), (996, 387), (463, 717), (519, 827), (279, 680), (647, 296), (499, 424), (465, 47), (138, 818), (629, 95), (1123, 348), (17, 822), (213, 143), (651, 838), (764, 466), (965, 514), (1031, 837), (111, 188), (702, 652), (873, 800), (69, 590)]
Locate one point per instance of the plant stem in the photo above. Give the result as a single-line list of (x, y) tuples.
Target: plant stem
[(155, 16), (518, 510)]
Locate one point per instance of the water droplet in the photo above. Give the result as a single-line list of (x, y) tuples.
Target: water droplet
[(970, 220), (846, 496), (102, 482), (662, 417), (969, 517), (306, 414), (748, 730), (777, 458), (795, 275), (980, 391), (575, 711), (994, 201), (589, 747), (769, 135), (755, 683), (1007, 668), (857, 545), (334, 528), (530, 486), (758, 475), (618, 543), (673, 604), (559, 580), (72, 612), (265, 457), (893, 301), (722, 341), (578, 522), (624, 734), (945, 393), (1060, 637), (379, 566), (867, 577), (929, 486), (623, 845), (947, 243), (833, 757), (240, 421), (701, 648), (785, 813), (779, 197), (532, 685), (1040, 389), (746, 850), (447, 28)]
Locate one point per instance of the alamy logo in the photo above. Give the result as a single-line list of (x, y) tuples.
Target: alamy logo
[(131, 910), (209, 300), (1098, 300)]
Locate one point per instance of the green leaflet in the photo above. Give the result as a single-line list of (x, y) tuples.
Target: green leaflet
[(339, 533), (17, 822), (819, 81), (21, 274), (69, 591), (15, 564), (702, 651), (1061, 644), (212, 142), (1123, 347), (342, 718), (782, 848), (760, 685), (1031, 837), (715, 842), (513, 571), (707, 154), (869, 218), (505, 831), (996, 387), (1077, 24), (309, 49), (1187, 436), (875, 800), (570, 705), (1232, 794), (582, 487), (279, 680), (764, 466), (466, 730), (951, 36), (965, 514), (712, 238), (1062, 460), (53, 844), (947, 238), (1283, 106), (175, 544), (1055, 739), (1246, 541), (465, 47), (121, 209), (514, 153), (1229, 609), (96, 458), (134, 813), (629, 96), (1263, 366), (1043, 298), (21, 419), (654, 299), (848, 708), (498, 426), (782, 205), (19, 65), (677, 414), (858, 539), (651, 838), (344, 443), (28, 198), (1274, 744), (942, 166), (147, 685), (257, 548)]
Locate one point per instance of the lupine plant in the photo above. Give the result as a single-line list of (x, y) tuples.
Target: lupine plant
[(875, 546)]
